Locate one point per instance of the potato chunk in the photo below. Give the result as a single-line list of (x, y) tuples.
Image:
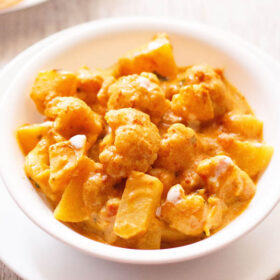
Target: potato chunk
[(252, 157), (213, 83), (169, 234), (245, 125), (89, 83), (178, 147), (167, 178), (152, 238), (226, 180), (190, 180), (72, 116), (193, 103), (71, 207), (139, 201), (187, 214), (29, 135), (156, 56), (216, 210), (64, 157), (37, 168), (141, 92), (135, 143), (50, 84)]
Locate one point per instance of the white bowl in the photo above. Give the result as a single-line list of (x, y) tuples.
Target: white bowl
[(24, 4), (99, 44)]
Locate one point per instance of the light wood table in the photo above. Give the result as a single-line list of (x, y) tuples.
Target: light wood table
[(257, 21)]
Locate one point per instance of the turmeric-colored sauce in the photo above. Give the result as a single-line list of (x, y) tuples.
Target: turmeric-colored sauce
[(144, 154)]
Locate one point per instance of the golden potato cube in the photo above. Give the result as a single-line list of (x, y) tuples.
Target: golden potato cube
[(64, 157), (139, 201), (252, 157), (193, 103), (215, 214), (156, 56), (167, 178), (245, 125), (226, 180), (89, 83), (71, 207), (37, 168), (187, 214), (169, 234), (29, 135), (152, 238), (50, 84)]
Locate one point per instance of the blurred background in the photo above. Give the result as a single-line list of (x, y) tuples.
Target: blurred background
[(256, 21)]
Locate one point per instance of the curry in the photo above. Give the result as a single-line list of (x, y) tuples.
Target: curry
[(144, 154)]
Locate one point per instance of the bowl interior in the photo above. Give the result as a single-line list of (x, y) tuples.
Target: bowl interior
[(98, 45)]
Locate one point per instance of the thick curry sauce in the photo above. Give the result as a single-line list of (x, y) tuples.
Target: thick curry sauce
[(144, 154)]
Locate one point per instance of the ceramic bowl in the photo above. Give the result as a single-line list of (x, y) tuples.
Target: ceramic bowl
[(99, 44)]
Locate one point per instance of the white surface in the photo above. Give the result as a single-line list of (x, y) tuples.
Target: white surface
[(30, 252), (35, 255), (93, 43), (21, 5), (256, 21)]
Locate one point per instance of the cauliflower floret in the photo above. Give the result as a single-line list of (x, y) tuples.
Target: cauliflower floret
[(193, 103), (226, 179), (97, 187), (141, 92), (73, 116), (167, 178), (103, 93), (213, 82), (177, 148), (135, 145), (187, 214), (190, 180)]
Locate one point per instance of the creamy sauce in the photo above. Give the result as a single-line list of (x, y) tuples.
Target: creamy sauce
[(158, 212), (175, 194), (110, 179), (145, 83), (221, 169), (47, 124), (78, 141)]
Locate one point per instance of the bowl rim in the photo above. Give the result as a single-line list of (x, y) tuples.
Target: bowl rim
[(122, 254)]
